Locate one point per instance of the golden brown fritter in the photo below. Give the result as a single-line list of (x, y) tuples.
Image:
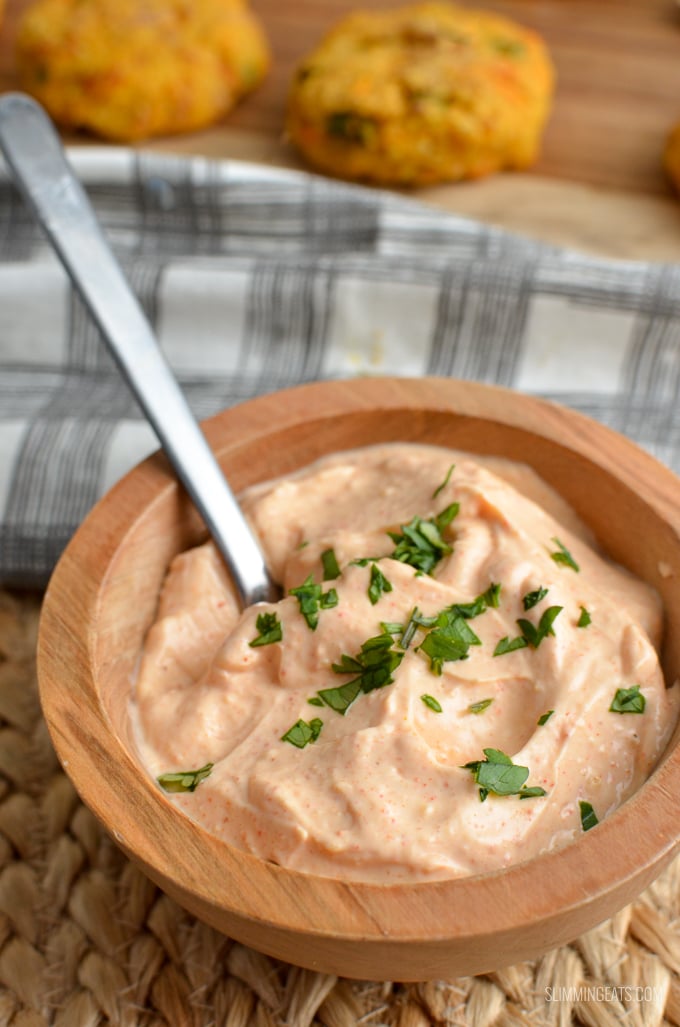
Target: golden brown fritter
[(426, 93), (671, 157), (129, 69)]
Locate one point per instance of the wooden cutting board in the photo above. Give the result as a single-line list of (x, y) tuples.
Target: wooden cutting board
[(598, 184)]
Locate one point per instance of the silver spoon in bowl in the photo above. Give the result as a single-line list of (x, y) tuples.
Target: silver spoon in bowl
[(37, 160)]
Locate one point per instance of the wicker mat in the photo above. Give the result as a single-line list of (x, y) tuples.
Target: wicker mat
[(86, 940)]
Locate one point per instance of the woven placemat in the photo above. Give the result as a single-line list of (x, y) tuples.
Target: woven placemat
[(86, 940)]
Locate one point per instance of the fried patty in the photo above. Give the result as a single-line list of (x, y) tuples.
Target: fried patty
[(421, 94), (130, 69), (671, 157)]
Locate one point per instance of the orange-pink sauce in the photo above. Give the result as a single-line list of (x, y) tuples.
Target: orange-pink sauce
[(382, 794)]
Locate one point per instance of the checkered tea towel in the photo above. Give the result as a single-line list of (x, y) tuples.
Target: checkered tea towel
[(256, 279)]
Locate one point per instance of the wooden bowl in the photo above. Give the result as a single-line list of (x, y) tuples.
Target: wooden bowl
[(102, 599)]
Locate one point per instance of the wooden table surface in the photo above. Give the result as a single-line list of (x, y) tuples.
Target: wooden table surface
[(599, 183)]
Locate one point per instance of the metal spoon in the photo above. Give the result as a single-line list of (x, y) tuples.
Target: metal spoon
[(37, 160)]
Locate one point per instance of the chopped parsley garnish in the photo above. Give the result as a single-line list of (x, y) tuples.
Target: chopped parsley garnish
[(628, 700), (184, 780), (392, 627), (563, 556), (509, 645), (432, 703), (415, 621), (532, 598), (447, 620), (329, 562), (378, 584), (492, 595), (544, 718), (408, 631), (449, 640), (341, 698), (497, 774), (420, 542), (270, 629), (535, 634), (452, 637), (373, 667), (532, 634), (588, 815), (445, 482), (479, 707), (315, 701), (470, 610), (585, 619), (311, 599), (303, 732)]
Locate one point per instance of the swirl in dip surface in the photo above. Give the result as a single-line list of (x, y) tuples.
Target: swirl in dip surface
[(475, 686)]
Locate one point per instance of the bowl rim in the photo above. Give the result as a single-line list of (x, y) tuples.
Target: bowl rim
[(389, 915)]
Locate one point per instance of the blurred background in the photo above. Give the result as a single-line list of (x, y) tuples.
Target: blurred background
[(599, 182)]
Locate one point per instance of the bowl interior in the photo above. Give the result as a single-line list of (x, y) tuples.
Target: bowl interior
[(105, 593)]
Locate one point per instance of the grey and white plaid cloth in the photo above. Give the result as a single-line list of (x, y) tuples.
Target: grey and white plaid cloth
[(257, 279)]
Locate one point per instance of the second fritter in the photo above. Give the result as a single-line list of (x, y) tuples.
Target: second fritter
[(421, 94)]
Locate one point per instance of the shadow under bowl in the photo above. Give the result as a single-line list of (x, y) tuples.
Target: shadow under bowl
[(102, 599)]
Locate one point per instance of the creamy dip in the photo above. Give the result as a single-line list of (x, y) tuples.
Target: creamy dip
[(458, 682)]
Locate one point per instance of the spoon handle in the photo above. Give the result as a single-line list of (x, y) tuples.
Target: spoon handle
[(35, 155)]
